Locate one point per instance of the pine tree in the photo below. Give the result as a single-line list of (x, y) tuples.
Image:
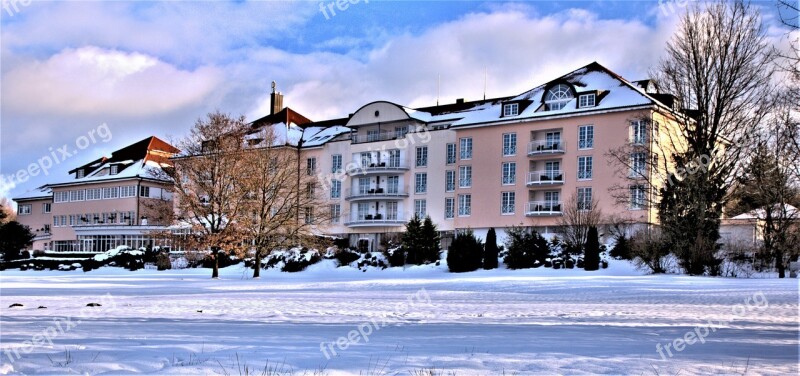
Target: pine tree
[(591, 255), (490, 250), (412, 241), (14, 237), (465, 253), (430, 251)]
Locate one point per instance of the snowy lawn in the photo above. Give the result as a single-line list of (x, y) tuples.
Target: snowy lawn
[(399, 322)]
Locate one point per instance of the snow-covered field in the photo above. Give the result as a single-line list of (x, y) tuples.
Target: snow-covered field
[(400, 322)]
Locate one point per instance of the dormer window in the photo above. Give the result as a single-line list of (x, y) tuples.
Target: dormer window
[(586, 100), (557, 97), (511, 109), (114, 169), (79, 174)]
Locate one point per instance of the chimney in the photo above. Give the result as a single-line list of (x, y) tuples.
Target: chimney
[(275, 101), (460, 101)]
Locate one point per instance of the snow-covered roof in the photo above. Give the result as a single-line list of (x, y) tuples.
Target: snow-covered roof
[(791, 211), (146, 169), (35, 194)]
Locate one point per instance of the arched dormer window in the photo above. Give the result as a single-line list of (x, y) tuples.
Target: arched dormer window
[(558, 96)]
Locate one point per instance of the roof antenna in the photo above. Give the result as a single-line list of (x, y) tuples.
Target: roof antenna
[(484, 82), (438, 84)]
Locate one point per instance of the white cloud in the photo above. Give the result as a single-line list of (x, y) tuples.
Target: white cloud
[(93, 80)]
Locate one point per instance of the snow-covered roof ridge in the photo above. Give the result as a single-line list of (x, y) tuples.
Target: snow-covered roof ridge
[(34, 194), (761, 213)]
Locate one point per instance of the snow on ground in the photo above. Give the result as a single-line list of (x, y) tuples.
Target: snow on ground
[(538, 321)]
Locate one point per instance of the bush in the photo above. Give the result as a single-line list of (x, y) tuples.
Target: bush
[(649, 251), (396, 256), (591, 257), (163, 261), (465, 254), (526, 249), (346, 257), (621, 250), (490, 250)]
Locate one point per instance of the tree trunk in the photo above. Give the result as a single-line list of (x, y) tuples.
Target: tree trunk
[(257, 266), (780, 264), (215, 272)]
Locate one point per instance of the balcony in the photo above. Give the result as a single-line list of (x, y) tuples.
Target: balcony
[(537, 148), (376, 194), (355, 168), (538, 178), (543, 208), (376, 220), (382, 136)]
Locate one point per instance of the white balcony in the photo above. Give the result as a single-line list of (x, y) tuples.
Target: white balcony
[(376, 168), (536, 148), (381, 193), (543, 208), (552, 177), (376, 220)]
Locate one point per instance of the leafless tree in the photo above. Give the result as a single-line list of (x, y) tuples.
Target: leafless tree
[(284, 203), (207, 197), (577, 217)]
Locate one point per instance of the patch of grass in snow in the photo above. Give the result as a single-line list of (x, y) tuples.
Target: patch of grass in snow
[(240, 367)]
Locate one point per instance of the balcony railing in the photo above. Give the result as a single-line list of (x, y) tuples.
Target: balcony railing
[(356, 168), (545, 177), (537, 208), (376, 193), (377, 219), (383, 136), (546, 147)]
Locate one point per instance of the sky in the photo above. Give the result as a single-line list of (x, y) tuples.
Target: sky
[(81, 79)]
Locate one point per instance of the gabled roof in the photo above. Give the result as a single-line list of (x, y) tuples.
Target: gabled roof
[(285, 116), (40, 193)]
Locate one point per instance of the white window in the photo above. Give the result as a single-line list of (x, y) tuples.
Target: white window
[(80, 173), (366, 159), (509, 173), (110, 192), (584, 198), (311, 166), (63, 220), (639, 132), (507, 203), (391, 210), (127, 191), (511, 109), (373, 135), (309, 215), (552, 198), (466, 148), (584, 168), (420, 182), (451, 153), (144, 191), (24, 209), (465, 176), (363, 186), (363, 210), (400, 132), (420, 208), (637, 195), (509, 144), (586, 100), (61, 196), (393, 184), (394, 158), (55, 221), (422, 156), (114, 169), (552, 140), (336, 189), (449, 207), (464, 205), (638, 165), (47, 207), (336, 213), (586, 137), (558, 97), (336, 163), (450, 180), (72, 219), (310, 190)]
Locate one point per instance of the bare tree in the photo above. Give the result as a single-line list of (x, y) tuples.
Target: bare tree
[(208, 198), (577, 217), (718, 68), (285, 205)]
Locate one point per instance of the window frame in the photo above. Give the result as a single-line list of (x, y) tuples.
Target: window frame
[(586, 137), (510, 109), (465, 146), (465, 176), (582, 171), (508, 173), (421, 155), (508, 200), (509, 144), (420, 183), (586, 97)]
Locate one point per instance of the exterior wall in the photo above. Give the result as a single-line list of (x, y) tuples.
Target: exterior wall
[(39, 221), (611, 131)]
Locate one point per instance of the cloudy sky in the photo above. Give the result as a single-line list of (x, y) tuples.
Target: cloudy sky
[(153, 68)]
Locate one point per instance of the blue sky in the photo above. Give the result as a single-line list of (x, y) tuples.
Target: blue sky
[(153, 68)]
